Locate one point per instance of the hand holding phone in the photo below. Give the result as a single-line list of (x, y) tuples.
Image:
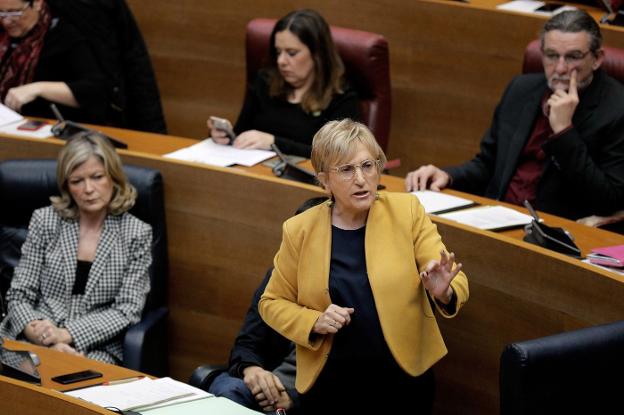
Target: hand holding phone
[(77, 377), (225, 126)]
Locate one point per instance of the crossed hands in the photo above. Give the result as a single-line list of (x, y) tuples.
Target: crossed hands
[(333, 319), (562, 105), (46, 333), (268, 390), (438, 275)]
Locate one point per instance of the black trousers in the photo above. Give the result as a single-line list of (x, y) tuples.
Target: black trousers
[(369, 388)]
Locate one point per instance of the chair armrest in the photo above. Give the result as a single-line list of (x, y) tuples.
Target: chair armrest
[(145, 344), (204, 375)]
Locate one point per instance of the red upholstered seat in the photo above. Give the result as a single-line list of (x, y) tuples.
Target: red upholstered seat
[(613, 63), (365, 56)]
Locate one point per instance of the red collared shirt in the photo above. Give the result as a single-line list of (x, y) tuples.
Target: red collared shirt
[(523, 184)]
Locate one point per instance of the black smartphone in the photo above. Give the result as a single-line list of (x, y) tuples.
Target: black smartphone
[(77, 377)]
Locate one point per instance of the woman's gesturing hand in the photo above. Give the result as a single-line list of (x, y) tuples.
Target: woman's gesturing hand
[(438, 275), (333, 319)]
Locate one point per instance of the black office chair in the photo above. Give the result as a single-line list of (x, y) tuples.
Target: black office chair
[(577, 372), (203, 376), (26, 185)]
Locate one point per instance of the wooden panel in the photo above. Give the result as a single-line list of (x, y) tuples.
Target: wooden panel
[(449, 63)]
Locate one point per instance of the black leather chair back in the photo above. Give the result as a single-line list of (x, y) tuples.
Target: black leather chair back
[(26, 185), (577, 372)]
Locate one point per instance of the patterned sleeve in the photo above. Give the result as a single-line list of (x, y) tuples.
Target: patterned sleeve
[(24, 291), (100, 326)]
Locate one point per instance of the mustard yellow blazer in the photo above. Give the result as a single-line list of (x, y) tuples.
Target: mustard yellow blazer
[(400, 240)]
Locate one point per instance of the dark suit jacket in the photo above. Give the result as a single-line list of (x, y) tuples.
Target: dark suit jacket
[(257, 344), (584, 172)]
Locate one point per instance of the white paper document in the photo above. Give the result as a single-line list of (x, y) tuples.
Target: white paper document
[(139, 394), (209, 152), (531, 6), (10, 120), (8, 116), (489, 217), (11, 129), (438, 202), (208, 406)]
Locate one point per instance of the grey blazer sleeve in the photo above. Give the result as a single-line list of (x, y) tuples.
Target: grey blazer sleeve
[(105, 322)]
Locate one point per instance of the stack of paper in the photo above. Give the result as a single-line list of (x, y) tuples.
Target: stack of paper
[(210, 406), (533, 6), (437, 202), (141, 394), (489, 217), (10, 120), (209, 152)]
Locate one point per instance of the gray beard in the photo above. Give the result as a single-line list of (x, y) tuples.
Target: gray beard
[(579, 86)]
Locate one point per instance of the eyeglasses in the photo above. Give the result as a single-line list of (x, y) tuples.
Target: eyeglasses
[(569, 58), (14, 14), (347, 171)]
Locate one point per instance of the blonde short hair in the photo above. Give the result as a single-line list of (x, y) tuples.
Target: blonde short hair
[(75, 152), (336, 142)]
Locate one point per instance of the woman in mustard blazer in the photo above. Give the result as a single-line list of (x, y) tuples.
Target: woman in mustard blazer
[(355, 283)]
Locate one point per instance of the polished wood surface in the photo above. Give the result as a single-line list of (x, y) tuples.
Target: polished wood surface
[(17, 397), (449, 63), (224, 227)]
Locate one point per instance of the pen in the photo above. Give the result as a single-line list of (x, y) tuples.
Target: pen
[(120, 381)]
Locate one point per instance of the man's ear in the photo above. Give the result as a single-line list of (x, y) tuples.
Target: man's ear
[(37, 4), (599, 59)]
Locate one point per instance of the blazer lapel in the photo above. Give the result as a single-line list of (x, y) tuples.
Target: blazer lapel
[(379, 255), (69, 246), (105, 245), (588, 100), (526, 120)]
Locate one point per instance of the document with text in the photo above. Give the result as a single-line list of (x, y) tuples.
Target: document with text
[(209, 152), (437, 202), (139, 394), (489, 217)]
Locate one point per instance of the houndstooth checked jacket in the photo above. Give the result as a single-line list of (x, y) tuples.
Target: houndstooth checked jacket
[(115, 294)]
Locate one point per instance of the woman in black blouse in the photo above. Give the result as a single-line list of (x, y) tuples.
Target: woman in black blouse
[(298, 93)]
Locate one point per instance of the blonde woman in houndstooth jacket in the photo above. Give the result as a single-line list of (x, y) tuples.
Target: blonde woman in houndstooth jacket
[(83, 275)]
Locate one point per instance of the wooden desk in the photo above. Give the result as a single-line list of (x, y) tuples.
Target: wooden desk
[(17, 397), (224, 227)]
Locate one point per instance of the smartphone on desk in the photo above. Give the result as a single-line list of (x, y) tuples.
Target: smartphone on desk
[(225, 126), (77, 377), (31, 125)]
